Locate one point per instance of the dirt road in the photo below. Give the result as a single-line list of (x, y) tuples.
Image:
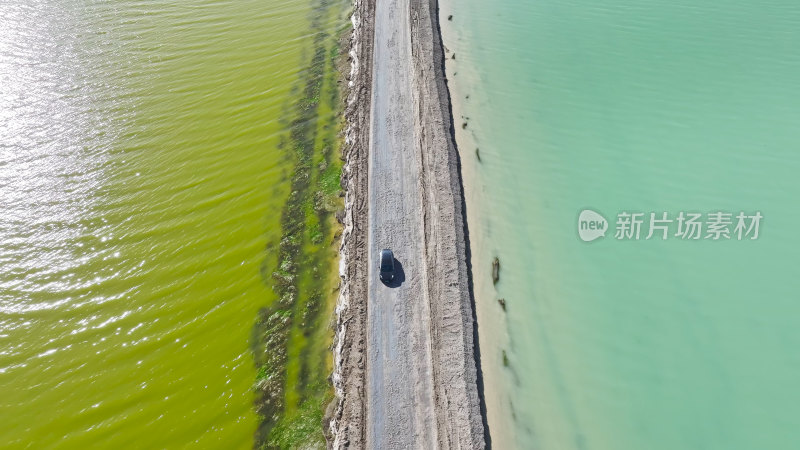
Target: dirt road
[(400, 403)]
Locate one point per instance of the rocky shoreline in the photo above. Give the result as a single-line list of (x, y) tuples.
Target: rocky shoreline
[(459, 420)]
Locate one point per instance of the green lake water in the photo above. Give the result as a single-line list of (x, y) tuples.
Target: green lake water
[(644, 107), (146, 166)]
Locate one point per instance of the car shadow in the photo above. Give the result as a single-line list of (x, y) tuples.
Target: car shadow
[(399, 276)]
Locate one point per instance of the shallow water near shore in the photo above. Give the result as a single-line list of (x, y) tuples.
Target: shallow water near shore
[(145, 169), (621, 106)]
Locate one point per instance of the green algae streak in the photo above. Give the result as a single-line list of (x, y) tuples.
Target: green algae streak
[(146, 178), (292, 338)]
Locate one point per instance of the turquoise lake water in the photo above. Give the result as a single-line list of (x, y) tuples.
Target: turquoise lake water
[(640, 107)]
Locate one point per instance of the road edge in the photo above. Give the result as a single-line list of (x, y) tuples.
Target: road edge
[(457, 379), (345, 421)]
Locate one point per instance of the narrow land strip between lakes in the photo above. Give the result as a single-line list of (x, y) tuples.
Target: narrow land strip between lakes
[(406, 374)]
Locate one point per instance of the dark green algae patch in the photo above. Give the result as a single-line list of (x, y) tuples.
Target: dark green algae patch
[(292, 336)]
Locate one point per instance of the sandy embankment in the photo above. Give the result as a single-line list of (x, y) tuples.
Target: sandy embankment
[(346, 426), (457, 420), (461, 423)]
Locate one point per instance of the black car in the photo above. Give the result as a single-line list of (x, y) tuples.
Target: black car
[(386, 265)]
